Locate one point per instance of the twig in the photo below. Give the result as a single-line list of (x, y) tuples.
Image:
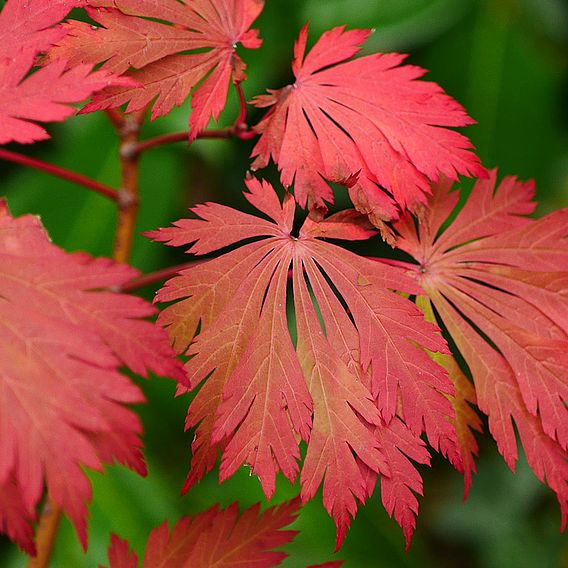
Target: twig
[(62, 173), (179, 137), (241, 120), (46, 534), (116, 117), (128, 129), (240, 130)]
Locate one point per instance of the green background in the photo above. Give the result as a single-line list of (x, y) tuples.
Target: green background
[(506, 61)]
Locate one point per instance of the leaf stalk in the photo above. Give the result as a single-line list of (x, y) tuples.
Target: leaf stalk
[(59, 172)]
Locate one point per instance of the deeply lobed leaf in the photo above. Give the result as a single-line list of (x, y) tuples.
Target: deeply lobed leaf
[(63, 338), (499, 281), (28, 25), (149, 40), (366, 123), (347, 375), (219, 538), (44, 96)]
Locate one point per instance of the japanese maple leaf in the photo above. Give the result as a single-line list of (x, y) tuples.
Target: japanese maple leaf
[(28, 25), (45, 95), (130, 38), (216, 538), (366, 123), (398, 491), (499, 281), (63, 339), (354, 372)]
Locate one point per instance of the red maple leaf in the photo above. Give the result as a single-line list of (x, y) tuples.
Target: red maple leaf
[(366, 123), (498, 281), (25, 30), (342, 379), (130, 38), (120, 555), (219, 538), (27, 25), (63, 338)]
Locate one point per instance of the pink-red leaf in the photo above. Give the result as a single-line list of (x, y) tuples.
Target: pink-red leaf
[(347, 374), (27, 25), (63, 338), (366, 123), (216, 538), (499, 282), (120, 555), (130, 39), (43, 96)]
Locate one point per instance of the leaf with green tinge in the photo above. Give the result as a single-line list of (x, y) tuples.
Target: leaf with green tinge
[(498, 281)]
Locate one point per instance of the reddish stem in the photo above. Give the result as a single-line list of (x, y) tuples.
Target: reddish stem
[(116, 117), (128, 128), (242, 118), (240, 130), (179, 137), (62, 173)]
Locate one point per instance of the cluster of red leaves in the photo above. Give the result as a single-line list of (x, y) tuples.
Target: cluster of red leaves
[(63, 338), (219, 538), (297, 338), (366, 123), (26, 29), (363, 381)]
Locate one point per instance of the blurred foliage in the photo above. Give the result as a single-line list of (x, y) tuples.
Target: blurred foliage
[(507, 62)]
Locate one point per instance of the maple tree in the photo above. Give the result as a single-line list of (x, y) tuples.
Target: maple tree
[(289, 340)]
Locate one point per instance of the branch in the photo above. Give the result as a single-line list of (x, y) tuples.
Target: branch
[(140, 147), (128, 128), (240, 130), (46, 534), (62, 173)]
